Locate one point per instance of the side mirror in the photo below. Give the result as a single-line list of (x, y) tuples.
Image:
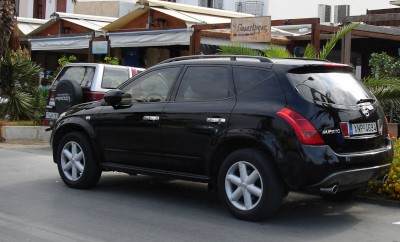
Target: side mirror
[(117, 98)]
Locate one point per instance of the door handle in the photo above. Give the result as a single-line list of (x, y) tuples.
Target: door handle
[(215, 120), (151, 118)]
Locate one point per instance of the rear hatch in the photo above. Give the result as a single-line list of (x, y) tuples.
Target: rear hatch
[(344, 112)]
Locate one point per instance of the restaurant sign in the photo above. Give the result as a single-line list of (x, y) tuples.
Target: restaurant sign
[(254, 29), (99, 47)]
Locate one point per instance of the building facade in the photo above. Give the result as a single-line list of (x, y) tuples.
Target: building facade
[(328, 10), (42, 9)]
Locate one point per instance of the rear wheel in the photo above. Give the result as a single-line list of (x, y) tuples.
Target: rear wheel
[(249, 186), (76, 163)]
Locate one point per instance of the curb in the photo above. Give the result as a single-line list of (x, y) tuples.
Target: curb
[(25, 134)]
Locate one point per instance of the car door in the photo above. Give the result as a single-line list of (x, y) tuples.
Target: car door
[(197, 118), (130, 134)]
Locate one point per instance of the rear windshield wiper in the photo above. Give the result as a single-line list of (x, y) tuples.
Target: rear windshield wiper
[(365, 100)]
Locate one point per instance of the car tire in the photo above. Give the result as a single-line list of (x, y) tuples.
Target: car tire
[(249, 185), (67, 94), (341, 196), (76, 162)]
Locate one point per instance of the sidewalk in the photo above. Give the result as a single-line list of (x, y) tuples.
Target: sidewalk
[(23, 145)]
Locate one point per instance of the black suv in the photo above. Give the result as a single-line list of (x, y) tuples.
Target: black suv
[(253, 127)]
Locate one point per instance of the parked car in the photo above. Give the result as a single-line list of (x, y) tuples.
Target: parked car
[(83, 82), (253, 127)]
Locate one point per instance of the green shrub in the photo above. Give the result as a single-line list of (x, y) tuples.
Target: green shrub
[(17, 79), (390, 188), (40, 99)]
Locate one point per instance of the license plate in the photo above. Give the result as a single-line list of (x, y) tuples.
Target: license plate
[(50, 115), (363, 128)]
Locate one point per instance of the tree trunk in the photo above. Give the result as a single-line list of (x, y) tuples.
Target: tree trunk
[(7, 23)]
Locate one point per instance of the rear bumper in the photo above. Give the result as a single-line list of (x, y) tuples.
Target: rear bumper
[(349, 179), (314, 167)]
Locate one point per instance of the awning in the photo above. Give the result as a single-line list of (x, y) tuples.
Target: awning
[(193, 18), (62, 43), (150, 38)]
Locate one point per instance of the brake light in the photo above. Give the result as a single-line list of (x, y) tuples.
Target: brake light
[(332, 64), (134, 71), (388, 130), (303, 129)]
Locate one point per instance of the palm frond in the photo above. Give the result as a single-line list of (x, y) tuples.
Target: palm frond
[(276, 51), (310, 52), (388, 95), (334, 39), (237, 49), (18, 107)]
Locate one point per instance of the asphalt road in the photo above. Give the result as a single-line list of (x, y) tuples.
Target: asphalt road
[(35, 205)]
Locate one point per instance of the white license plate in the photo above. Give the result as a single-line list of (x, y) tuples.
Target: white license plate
[(363, 128), (50, 115)]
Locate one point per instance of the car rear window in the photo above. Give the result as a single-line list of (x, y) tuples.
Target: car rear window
[(114, 76), (81, 74), (330, 87)]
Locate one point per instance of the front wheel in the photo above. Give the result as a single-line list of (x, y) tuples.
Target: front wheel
[(76, 163), (249, 185)]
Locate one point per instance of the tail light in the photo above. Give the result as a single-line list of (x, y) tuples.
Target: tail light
[(304, 130), (388, 130)]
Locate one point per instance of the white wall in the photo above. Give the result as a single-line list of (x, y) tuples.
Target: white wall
[(50, 7), (190, 2), (125, 8), (70, 6), (26, 8)]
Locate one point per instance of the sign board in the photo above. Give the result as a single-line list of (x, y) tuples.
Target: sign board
[(254, 29), (99, 47)]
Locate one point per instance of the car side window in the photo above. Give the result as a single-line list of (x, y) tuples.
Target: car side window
[(245, 78), (153, 86), (203, 83), (113, 77)]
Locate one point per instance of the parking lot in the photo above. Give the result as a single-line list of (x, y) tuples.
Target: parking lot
[(35, 205)]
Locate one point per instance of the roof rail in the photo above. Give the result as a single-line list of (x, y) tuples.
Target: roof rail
[(232, 57)]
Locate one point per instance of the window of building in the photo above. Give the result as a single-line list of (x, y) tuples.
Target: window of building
[(39, 9), (62, 6), (219, 4)]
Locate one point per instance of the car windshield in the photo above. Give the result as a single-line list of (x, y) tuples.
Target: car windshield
[(331, 87)]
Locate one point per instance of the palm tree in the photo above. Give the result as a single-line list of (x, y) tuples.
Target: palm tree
[(17, 75), (7, 23)]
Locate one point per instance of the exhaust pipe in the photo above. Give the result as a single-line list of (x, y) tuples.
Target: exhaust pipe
[(330, 190)]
